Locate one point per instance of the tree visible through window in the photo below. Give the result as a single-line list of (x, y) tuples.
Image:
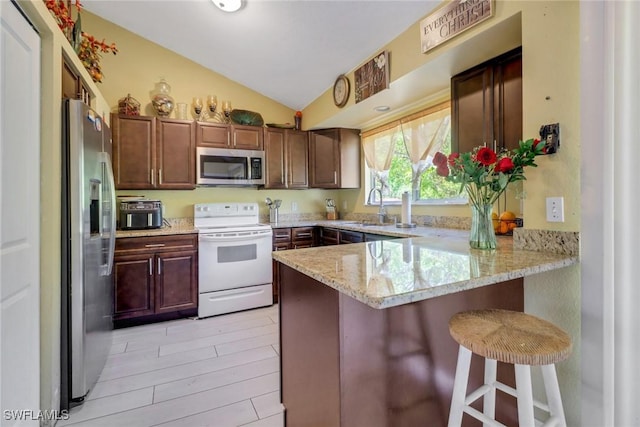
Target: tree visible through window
[(411, 142)]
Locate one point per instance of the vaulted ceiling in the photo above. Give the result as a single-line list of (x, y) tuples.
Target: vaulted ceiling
[(290, 51)]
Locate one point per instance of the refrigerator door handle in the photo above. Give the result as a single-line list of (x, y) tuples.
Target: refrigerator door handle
[(106, 160)]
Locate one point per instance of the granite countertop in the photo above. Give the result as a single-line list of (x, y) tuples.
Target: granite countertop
[(388, 273), (172, 226)]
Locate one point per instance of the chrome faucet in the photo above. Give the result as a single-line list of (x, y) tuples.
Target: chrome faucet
[(382, 213)]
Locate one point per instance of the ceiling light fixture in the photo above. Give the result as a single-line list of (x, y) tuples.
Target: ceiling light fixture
[(382, 108), (228, 5)]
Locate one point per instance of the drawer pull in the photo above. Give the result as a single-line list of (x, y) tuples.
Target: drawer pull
[(155, 245), (303, 235)]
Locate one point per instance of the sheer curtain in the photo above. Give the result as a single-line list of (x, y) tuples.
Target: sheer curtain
[(423, 134), (378, 151)]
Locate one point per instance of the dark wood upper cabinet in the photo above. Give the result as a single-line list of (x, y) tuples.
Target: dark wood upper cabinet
[(275, 155), (247, 137), (134, 151), (334, 158), (73, 86), (175, 154), (215, 135), (153, 153), (486, 104), (286, 156), (220, 135)]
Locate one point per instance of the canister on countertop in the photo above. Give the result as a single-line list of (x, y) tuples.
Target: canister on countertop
[(332, 213)]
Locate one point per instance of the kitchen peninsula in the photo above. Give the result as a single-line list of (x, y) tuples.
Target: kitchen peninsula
[(364, 327)]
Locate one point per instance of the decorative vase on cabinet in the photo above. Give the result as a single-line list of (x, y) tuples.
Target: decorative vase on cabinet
[(161, 100)]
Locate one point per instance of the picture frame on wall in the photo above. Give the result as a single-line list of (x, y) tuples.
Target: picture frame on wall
[(372, 77)]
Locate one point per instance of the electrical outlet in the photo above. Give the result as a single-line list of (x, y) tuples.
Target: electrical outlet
[(344, 205), (555, 209), (294, 206)]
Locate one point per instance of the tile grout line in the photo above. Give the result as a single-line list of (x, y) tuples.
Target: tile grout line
[(193, 376), (221, 386), (202, 412)]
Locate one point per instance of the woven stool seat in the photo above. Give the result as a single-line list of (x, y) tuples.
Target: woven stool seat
[(510, 337)]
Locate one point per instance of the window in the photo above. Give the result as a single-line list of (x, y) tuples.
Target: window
[(399, 158)]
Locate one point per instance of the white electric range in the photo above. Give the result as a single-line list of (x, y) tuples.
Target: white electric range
[(234, 258)]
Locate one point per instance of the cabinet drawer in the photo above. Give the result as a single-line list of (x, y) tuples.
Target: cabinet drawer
[(302, 233), (128, 245), (302, 237), (281, 235)]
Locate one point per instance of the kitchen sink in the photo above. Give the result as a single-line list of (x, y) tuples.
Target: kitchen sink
[(374, 223)]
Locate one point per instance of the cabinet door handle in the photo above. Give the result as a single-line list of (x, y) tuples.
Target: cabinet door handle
[(335, 177), (159, 266), (228, 140), (160, 176), (153, 178), (495, 145), (150, 266), (234, 139)]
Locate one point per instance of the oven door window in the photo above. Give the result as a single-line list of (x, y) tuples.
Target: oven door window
[(237, 253), (224, 167)]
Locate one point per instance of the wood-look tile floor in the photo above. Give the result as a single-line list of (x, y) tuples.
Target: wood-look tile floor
[(221, 371)]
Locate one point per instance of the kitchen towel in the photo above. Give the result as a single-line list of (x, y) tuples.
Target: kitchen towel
[(406, 208)]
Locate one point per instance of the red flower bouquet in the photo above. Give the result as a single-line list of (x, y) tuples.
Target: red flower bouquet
[(485, 175)]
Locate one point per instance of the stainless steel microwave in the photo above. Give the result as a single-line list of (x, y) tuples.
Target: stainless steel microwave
[(222, 166)]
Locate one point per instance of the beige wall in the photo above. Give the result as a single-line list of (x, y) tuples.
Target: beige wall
[(550, 68), (136, 68)]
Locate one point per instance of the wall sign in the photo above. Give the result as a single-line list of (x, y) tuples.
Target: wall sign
[(372, 77), (452, 19)]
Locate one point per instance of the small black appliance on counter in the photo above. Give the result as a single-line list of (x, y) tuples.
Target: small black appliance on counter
[(139, 214)]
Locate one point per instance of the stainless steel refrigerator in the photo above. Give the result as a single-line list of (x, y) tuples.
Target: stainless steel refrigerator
[(88, 239)]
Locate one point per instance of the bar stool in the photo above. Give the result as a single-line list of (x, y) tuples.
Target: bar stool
[(511, 337)]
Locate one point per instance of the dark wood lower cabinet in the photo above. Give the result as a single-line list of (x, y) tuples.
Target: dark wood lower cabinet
[(134, 286), (351, 237), (290, 238), (174, 271), (329, 236), (155, 276)]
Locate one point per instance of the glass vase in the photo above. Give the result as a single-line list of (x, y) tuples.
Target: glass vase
[(161, 100), (482, 234)]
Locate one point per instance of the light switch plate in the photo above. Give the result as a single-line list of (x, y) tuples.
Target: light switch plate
[(555, 209), (294, 206)]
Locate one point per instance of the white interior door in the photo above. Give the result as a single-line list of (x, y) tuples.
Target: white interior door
[(19, 219)]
